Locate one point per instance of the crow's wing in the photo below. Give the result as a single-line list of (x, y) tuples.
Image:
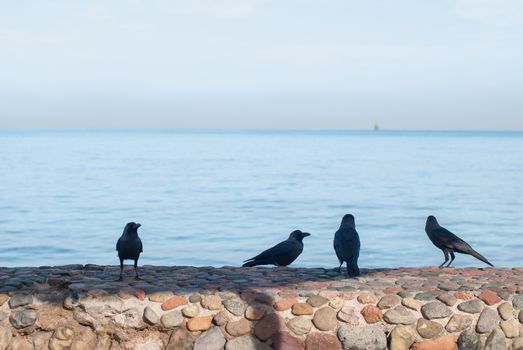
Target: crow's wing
[(346, 243), (140, 244), (118, 243), (281, 248), (449, 240)]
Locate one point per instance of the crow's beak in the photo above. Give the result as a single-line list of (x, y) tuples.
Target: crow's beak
[(138, 225), (305, 234)]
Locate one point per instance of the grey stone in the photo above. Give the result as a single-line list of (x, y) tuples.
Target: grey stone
[(246, 342), (195, 298), (426, 296), (150, 316), (447, 286), (172, 319), (496, 340), (399, 315), (520, 316), (84, 318), (191, 311), (488, 319), (19, 299), (389, 301), (325, 319), (472, 306), (428, 329), (435, 309), (517, 344), (235, 306), (299, 325), (517, 301), (447, 298), (210, 340), (469, 340), (362, 338), (23, 318), (317, 301)]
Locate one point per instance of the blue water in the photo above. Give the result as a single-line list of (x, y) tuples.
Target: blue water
[(217, 198)]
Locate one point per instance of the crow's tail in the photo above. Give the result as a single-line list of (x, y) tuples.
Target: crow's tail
[(251, 263), (479, 257)]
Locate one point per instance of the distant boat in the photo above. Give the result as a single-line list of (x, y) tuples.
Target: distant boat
[(376, 127)]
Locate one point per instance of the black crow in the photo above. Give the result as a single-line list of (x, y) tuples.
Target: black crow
[(347, 245), (129, 246), (449, 242), (282, 254)]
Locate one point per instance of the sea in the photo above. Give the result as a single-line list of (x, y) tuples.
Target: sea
[(215, 198)]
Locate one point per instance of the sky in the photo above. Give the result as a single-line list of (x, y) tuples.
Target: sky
[(262, 64)]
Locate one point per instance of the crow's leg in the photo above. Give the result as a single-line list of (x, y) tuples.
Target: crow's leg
[(339, 267), (121, 270), (451, 258), (446, 253), (136, 269)]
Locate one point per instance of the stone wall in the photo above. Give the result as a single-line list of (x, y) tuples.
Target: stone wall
[(82, 307)]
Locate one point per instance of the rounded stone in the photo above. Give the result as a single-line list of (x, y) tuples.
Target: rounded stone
[(191, 311), (211, 302), (322, 341), (18, 300), (435, 309), (469, 340), (235, 306), (238, 328), (302, 309), (371, 314), (23, 318), (366, 298), (517, 344), (389, 301), (510, 328), (246, 342), (172, 319), (402, 337), (446, 342), (488, 319), (349, 314), (506, 311), (317, 301), (411, 303), (3, 298), (212, 339), (255, 312), (180, 339), (150, 316), (284, 304), (299, 325), (448, 299), (5, 336), (195, 298), (472, 306), (517, 301), (201, 323), (458, 323), (285, 341), (362, 338), (221, 318), (325, 319), (520, 317), (428, 329), (160, 297), (496, 340), (173, 302), (399, 315), (268, 326), (489, 297)]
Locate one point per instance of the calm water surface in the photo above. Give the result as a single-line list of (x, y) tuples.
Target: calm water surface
[(217, 198)]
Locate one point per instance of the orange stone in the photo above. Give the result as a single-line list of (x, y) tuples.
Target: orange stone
[(371, 314), (489, 297), (199, 323), (447, 342), (464, 295), (173, 302), (284, 304), (392, 290), (140, 295)]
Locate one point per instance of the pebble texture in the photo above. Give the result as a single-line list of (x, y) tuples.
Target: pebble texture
[(183, 307)]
